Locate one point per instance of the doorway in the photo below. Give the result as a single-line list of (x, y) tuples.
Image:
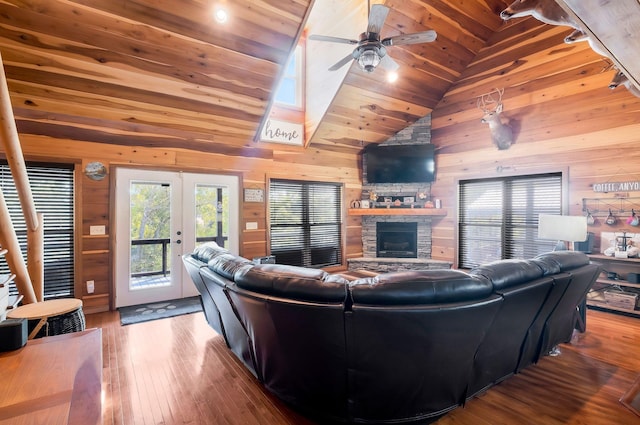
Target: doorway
[(161, 215)]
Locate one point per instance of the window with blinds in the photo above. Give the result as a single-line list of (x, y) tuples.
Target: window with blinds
[(305, 223), (52, 187), (498, 218)]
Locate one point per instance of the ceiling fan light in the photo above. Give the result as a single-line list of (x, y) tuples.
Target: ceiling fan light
[(368, 60), (221, 16)]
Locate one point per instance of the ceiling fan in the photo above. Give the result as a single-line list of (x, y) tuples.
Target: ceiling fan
[(370, 50)]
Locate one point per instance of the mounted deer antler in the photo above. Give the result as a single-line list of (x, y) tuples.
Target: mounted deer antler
[(501, 134)]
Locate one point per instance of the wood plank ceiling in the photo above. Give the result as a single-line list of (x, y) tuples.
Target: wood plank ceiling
[(161, 73), (368, 109), (145, 72)]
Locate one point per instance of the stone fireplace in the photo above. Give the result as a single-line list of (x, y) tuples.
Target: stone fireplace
[(421, 260), (407, 246), (396, 240), (412, 228)]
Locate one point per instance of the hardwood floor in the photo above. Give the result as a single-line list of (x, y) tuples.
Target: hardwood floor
[(179, 371)]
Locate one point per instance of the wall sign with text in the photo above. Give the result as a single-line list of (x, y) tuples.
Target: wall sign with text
[(276, 131), (629, 186), (253, 195)]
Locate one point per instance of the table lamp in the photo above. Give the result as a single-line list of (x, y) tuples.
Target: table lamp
[(563, 228)]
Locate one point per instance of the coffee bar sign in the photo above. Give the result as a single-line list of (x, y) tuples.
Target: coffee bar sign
[(276, 131), (628, 186)]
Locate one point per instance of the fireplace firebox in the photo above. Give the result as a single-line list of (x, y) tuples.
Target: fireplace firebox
[(398, 240)]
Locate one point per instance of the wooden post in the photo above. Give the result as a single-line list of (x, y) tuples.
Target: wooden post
[(9, 241), (35, 258), (11, 144)]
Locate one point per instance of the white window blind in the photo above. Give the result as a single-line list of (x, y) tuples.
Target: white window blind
[(305, 223), (52, 187), (498, 218)]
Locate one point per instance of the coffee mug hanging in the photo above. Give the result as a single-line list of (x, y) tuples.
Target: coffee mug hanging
[(611, 219), (591, 220), (633, 220)]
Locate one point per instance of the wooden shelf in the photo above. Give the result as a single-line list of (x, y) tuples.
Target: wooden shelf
[(605, 305), (621, 266), (95, 251), (434, 212), (597, 257), (618, 282)]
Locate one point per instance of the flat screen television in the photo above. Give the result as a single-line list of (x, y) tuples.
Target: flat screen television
[(400, 163)]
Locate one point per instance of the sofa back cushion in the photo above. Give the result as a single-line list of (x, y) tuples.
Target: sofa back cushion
[(293, 282), (559, 261), (419, 287), (207, 251), (227, 264), (507, 273)]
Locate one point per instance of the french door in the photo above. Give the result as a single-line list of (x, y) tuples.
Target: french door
[(159, 216)]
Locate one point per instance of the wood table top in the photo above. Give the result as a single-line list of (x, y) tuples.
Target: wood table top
[(53, 380), (45, 309)]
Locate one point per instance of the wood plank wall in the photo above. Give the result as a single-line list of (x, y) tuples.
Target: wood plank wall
[(566, 118), (95, 256), (556, 95)]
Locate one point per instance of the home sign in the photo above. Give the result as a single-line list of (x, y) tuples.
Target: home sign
[(276, 131)]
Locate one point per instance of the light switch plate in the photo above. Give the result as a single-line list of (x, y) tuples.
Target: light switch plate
[(97, 230)]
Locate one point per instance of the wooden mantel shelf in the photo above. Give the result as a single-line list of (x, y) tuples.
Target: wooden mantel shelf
[(434, 212)]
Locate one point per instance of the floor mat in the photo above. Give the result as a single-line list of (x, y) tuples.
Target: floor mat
[(159, 310)]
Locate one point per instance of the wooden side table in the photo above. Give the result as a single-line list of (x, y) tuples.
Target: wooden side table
[(52, 309)]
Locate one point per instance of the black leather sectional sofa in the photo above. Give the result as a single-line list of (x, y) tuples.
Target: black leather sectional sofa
[(400, 347)]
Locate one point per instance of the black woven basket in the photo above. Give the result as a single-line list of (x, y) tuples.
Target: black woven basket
[(65, 323)]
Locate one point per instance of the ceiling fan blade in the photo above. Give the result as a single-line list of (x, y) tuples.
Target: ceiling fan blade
[(418, 37), (342, 62), (377, 16), (389, 64), (332, 39)]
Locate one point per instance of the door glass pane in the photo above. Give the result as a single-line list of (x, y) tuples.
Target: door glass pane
[(212, 214), (150, 206)]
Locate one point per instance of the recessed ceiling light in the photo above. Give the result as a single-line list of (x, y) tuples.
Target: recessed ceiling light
[(221, 15), (392, 76)]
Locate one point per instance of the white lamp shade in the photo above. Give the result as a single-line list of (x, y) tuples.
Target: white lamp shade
[(562, 227)]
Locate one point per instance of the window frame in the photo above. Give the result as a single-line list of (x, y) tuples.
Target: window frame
[(289, 117), (340, 215), (56, 235), (564, 204), (297, 77)]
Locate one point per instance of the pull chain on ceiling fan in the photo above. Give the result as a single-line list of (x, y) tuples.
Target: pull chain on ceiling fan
[(370, 50)]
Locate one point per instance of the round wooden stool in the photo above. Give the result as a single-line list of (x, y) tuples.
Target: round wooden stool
[(60, 316)]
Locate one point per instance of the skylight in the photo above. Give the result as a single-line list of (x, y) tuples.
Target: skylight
[(289, 92)]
